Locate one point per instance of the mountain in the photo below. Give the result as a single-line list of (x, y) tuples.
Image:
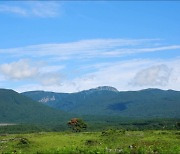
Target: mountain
[(109, 101), (17, 108), (102, 88)]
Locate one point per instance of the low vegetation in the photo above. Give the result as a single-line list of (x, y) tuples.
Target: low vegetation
[(108, 141)]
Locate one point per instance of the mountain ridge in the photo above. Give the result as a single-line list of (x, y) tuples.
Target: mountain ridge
[(107, 101), (102, 88)]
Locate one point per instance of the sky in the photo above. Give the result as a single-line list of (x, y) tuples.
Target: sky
[(73, 46)]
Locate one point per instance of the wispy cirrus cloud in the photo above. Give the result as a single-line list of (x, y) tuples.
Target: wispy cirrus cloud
[(13, 9), (31, 9), (95, 48)]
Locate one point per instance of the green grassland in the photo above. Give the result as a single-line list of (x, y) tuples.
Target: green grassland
[(109, 141)]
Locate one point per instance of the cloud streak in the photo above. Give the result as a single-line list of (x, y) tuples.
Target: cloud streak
[(88, 49), (13, 9), (32, 9)]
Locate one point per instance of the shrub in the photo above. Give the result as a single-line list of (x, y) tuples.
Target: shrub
[(77, 125)]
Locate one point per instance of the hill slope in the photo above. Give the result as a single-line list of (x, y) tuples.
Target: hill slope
[(108, 101), (17, 108)]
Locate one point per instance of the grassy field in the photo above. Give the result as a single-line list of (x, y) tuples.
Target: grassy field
[(109, 141)]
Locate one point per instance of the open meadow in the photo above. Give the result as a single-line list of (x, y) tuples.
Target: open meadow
[(109, 141)]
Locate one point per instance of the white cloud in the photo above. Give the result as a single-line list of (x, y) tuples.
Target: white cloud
[(36, 72), (18, 70), (28, 9), (142, 73), (119, 75), (153, 76)]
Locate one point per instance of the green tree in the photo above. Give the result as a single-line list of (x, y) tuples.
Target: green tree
[(77, 125)]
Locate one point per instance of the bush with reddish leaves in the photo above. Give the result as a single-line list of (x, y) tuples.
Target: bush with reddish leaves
[(77, 125)]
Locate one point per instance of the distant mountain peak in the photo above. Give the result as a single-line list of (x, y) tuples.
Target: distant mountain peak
[(107, 88), (100, 89)]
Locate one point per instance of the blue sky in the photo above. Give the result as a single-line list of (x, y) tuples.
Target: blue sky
[(72, 46)]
